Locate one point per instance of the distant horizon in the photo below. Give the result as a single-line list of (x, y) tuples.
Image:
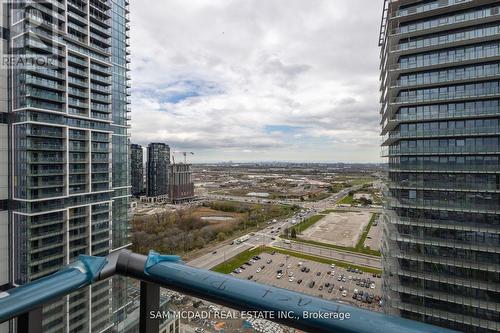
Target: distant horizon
[(281, 161)]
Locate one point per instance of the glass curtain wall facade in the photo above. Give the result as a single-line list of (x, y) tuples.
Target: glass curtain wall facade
[(69, 149), (158, 164), (440, 95), (137, 169)]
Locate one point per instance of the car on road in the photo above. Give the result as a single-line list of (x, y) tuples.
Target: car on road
[(332, 266), (215, 252), (273, 238)]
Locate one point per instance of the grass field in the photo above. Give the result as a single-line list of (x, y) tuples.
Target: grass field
[(307, 223), (229, 265), (235, 262), (347, 200)]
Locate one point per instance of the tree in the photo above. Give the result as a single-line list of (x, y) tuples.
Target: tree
[(293, 233), (221, 236)]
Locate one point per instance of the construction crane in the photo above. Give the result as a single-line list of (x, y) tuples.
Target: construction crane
[(184, 153)]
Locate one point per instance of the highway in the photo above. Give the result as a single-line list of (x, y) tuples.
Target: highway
[(353, 258), (270, 234)]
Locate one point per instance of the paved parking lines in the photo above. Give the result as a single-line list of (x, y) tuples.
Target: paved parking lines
[(290, 264)]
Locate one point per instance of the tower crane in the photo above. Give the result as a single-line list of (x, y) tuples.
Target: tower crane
[(184, 153)]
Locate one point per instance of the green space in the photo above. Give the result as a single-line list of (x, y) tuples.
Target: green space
[(235, 262), (307, 223), (185, 232), (347, 200), (328, 211), (359, 248), (229, 265), (326, 260)]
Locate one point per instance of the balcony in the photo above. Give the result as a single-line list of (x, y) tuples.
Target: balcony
[(156, 270)]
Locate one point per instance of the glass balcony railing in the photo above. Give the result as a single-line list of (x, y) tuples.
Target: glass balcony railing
[(445, 21), (445, 132), (444, 185), (446, 39), (446, 150), (458, 205), (427, 7), (306, 313), (433, 97), (446, 167)]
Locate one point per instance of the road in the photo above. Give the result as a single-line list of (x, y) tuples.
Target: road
[(354, 258), (270, 234)]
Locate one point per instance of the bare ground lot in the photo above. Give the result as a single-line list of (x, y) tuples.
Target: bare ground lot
[(342, 229), (268, 275)]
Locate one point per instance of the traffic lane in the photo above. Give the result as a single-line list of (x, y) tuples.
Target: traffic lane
[(353, 258), (222, 254)]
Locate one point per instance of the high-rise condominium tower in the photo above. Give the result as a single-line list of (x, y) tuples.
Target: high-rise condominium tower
[(440, 84), (137, 169), (158, 163), (64, 148)]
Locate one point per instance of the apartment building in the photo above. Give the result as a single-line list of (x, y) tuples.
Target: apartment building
[(157, 173), (180, 183), (440, 117), (64, 147), (137, 169)]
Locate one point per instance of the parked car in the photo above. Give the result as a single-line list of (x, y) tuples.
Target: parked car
[(250, 277), (299, 281)]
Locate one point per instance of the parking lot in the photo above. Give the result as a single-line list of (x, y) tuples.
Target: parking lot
[(326, 284)]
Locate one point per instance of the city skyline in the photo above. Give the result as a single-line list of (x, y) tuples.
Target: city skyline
[(295, 90)]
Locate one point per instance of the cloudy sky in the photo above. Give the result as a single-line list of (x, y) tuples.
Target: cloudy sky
[(257, 80)]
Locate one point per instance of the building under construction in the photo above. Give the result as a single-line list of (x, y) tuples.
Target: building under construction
[(180, 184)]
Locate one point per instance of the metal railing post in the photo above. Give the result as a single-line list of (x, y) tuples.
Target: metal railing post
[(150, 301), (30, 322)]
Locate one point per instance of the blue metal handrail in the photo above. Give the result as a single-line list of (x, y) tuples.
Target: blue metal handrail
[(290, 308), (81, 273)]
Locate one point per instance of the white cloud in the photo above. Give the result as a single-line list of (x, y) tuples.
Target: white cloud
[(217, 77)]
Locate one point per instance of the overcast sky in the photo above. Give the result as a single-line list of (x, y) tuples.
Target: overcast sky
[(257, 80)]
